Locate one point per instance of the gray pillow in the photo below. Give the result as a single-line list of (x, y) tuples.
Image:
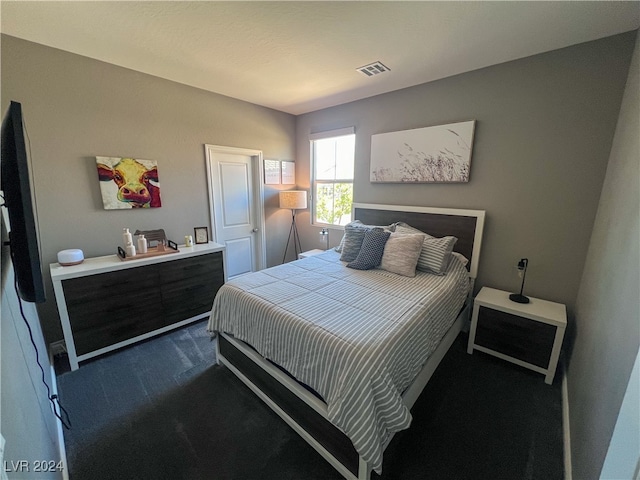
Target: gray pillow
[(405, 228), (401, 253), (370, 253), (352, 240), (435, 253)]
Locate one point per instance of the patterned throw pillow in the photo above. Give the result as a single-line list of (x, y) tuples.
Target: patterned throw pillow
[(352, 240), (372, 249), (401, 253), (359, 224), (435, 253)]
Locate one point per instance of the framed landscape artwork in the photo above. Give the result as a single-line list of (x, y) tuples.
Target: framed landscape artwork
[(423, 155)]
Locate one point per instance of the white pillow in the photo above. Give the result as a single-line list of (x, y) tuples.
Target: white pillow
[(401, 253), (461, 258)]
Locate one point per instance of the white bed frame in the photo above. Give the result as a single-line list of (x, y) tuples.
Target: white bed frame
[(410, 395)]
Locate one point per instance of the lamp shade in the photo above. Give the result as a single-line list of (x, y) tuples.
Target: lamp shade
[(293, 199)]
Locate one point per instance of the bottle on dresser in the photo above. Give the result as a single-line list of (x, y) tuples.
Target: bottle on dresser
[(127, 238), (142, 244)]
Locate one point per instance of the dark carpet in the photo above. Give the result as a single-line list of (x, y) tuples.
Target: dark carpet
[(162, 409)]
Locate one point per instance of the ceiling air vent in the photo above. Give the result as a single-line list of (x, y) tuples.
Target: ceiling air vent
[(373, 69)]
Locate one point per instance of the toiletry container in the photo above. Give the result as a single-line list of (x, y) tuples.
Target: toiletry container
[(126, 237), (142, 244), (130, 249)]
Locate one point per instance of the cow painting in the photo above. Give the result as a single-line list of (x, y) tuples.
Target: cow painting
[(128, 183)]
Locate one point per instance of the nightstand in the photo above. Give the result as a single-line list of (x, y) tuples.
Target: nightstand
[(310, 253), (527, 334)]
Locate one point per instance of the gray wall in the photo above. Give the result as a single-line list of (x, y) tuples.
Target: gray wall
[(607, 333), (76, 108), (542, 140), (27, 422)]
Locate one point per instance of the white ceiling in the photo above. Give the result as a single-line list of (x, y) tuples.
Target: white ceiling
[(299, 57)]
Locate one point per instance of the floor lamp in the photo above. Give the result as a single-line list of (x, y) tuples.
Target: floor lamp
[(294, 200)]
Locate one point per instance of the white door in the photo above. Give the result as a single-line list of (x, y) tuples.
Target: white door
[(235, 201)]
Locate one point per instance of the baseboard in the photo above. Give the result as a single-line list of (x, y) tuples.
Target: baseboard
[(566, 428), (54, 390)]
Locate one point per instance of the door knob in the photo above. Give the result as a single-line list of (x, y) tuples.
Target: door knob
[(254, 230)]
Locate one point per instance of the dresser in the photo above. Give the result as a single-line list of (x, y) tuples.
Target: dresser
[(106, 303)]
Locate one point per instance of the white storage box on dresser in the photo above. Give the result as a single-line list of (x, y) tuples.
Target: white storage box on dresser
[(106, 303)]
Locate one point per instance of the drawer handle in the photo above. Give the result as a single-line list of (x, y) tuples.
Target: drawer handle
[(117, 284), (193, 267), (117, 308), (194, 287)]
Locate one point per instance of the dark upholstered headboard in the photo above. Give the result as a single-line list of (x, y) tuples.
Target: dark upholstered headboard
[(466, 225)]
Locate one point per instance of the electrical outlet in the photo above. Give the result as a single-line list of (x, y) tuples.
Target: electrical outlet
[(58, 348)]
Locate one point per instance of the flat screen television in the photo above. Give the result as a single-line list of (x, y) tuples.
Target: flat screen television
[(15, 183)]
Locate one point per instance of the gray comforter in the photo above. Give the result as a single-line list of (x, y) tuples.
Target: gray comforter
[(358, 338)]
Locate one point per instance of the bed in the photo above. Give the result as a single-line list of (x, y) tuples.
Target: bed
[(342, 354)]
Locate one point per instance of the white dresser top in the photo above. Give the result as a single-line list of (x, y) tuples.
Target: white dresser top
[(111, 263)]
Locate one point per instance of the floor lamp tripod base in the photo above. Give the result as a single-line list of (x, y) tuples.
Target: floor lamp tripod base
[(293, 232)]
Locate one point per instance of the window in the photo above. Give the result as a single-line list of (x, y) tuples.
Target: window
[(332, 166)]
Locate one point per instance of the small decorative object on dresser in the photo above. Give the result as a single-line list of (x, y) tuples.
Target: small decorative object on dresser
[(143, 245), (528, 334), (151, 243), (522, 273), (72, 256), (201, 234)]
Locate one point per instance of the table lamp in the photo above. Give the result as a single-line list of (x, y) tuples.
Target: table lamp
[(522, 272)]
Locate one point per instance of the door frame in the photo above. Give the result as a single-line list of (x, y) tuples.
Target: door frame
[(258, 194)]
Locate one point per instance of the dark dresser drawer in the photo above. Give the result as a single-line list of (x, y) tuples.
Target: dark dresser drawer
[(191, 296), (93, 330), (515, 336), (202, 265), (189, 286), (106, 288)]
